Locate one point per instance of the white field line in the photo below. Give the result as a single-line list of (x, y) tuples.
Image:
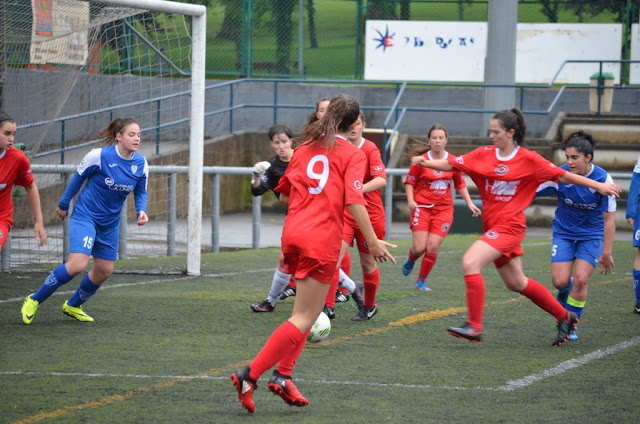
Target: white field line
[(142, 283), (507, 387)]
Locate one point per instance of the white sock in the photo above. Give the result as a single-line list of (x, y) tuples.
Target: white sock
[(346, 282), (280, 281)]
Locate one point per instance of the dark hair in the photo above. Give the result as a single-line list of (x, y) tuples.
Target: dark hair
[(279, 129), (115, 127), (314, 116), (513, 119), (4, 117), (419, 147), (342, 112), (581, 141), (362, 117)]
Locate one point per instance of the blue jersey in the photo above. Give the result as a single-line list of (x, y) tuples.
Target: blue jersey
[(579, 213), (633, 199), (110, 178)]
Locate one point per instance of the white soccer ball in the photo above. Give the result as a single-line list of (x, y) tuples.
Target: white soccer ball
[(320, 329)]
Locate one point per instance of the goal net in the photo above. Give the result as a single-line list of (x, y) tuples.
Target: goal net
[(67, 68)]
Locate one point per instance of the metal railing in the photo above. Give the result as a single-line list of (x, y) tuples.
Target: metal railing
[(400, 113), (394, 117)]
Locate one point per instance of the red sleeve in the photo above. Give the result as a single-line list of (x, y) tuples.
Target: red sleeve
[(24, 177), (413, 175), (376, 166), (458, 181), (547, 171), (462, 163), (354, 173)]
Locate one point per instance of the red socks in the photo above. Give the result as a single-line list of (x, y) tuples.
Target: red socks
[(545, 300), (475, 299), (284, 342), (427, 264), (371, 283)]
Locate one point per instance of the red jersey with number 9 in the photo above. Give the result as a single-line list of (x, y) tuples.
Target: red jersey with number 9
[(506, 184), (320, 182), (14, 170)]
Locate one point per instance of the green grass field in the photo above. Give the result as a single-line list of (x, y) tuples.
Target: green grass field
[(162, 348)]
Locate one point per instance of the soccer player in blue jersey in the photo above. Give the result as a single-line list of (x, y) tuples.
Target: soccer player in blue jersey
[(633, 217), (111, 173), (583, 228)]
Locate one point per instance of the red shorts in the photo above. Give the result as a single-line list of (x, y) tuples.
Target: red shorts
[(301, 267), (435, 220), (350, 233), (5, 227), (505, 241)]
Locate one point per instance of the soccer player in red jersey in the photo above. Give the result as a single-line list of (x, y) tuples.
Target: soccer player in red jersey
[(324, 175), (375, 178), (15, 170), (430, 201), (507, 175)]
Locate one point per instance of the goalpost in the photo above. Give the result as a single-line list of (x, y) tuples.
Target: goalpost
[(68, 67)]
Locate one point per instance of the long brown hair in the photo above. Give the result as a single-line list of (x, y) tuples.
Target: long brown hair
[(342, 112), (109, 133), (419, 147), (513, 119)]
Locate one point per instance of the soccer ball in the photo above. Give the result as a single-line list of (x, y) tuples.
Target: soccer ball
[(320, 329)]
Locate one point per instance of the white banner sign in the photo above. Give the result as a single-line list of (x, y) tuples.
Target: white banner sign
[(456, 51), (54, 36)]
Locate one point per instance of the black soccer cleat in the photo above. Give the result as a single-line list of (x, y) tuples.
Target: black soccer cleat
[(284, 387), (467, 331), (341, 297), (264, 306), (365, 314), (287, 292), (331, 312), (636, 308), (565, 325)]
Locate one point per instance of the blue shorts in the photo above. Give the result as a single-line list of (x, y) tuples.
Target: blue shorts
[(636, 231), (91, 239), (565, 250)]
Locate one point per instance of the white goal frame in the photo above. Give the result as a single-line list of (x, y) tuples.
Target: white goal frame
[(196, 130)]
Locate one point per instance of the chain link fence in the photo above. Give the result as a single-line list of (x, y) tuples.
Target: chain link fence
[(325, 39)]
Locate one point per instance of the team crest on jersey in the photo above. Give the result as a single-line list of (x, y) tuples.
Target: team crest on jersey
[(108, 181), (568, 202), (445, 227), (437, 173), (357, 184), (502, 169), (134, 168), (491, 234)]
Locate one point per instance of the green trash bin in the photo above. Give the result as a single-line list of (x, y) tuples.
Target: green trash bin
[(19, 191), (606, 99), (463, 221)]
